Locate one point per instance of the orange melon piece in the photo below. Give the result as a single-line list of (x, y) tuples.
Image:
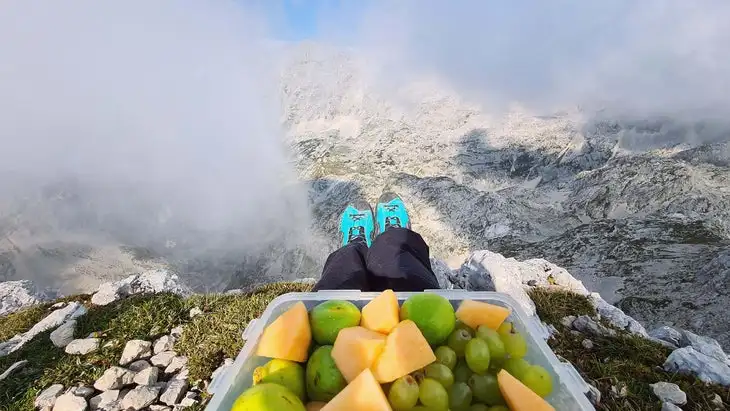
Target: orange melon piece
[(362, 394), (288, 337), (518, 396), (405, 351), (381, 313), (476, 313), (355, 349)]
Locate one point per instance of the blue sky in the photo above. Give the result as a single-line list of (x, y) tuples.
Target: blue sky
[(309, 19)]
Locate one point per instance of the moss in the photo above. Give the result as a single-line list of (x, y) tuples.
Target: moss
[(624, 359)]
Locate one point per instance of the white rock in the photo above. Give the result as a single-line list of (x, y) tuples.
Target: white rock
[(48, 396), (164, 343), (669, 392), (114, 378), (177, 331), (83, 346), (176, 364), (174, 392), (667, 334), (140, 397), (687, 360), (189, 400), (83, 391), (616, 316), (587, 325), (61, 336), (587, 344), (443, 273), (668, 406), (154, 281), (567, 321), (158, 407), (163, 359), (705, 345), (717, 401), (107, 401), (70, 402), (135, 350), (194, 312), (58, 305), (138, 365), (147, 376), (16, 366), (15, 295), (219, 372), (52, 320)]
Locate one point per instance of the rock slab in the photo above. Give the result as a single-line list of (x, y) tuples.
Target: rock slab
[(687, 360), (15, 295), (153, 281), (63, 335), (82, 346), (669, 392)]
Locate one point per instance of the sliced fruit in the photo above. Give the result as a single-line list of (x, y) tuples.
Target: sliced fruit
[(324, 379), (286, 373), (288, 337), (355, 349), (381, 313), (315, 405), (268, 397), (432, 313), (476, 313), (406, 350), (329, 317), (362, 394), (518, 396)]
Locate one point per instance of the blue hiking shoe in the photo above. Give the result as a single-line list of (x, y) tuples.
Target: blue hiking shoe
[(357, 223), (391, 212)]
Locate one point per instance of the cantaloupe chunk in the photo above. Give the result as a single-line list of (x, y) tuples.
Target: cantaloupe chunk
[(288, 337), (362, 394), (476, 313), (355, 349), (518, 396), (405, 351), (381, 313)]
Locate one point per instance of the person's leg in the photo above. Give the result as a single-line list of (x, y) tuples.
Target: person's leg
[(345, 268), (398, 258)]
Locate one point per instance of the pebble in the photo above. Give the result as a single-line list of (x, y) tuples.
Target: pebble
[(82, 346), (619, 391), (48, 396), (163, 359), (70, 402), (163, 344), (140, 397), (135, 350), (190, 399), (174, 392), (568, 321), (177, 331), (587, 325), (669, 392), (114, 378), (668, 406), (84, 391), (148, 376), (717, 401), (587, 344), (194, 312)]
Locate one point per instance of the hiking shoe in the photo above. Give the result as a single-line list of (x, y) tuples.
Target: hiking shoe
[(357, 223), (391, 212)]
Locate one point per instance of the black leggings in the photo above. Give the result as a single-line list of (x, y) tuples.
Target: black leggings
[(398, 260)]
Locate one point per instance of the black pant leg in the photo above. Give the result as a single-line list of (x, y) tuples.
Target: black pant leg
[(345, 269), (399, 260)]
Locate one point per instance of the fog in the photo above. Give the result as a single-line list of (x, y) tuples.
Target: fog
[(148, 123)]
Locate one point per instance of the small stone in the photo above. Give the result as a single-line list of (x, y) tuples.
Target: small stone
[(532, 283), (619, 391), (139, 365), (194, 312), (587, 325), (575, 333), (103, 400), (190, 399), (174, 392), (177, 331), (219, 373), (70, 402), (668, 406), (163, 343), (48, 396), (135, 350), (158, 407), (669, 392), (667, 334), (84, 391), (176, 364), (63, 335), (594, 395), (82, 346), (163, 359), (140, 397), (58, 305), (114, 378), (148, 376), (717, 402), (587, 344), (13, 368), (182, 375), (567, 321)]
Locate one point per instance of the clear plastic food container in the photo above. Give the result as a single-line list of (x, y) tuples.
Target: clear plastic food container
[(569, 390)]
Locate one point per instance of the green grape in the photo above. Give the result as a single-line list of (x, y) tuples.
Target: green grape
[(462, 372), (478, 407), (457, 341), (477, 355), (485, 388), (459, 397), (433, 395), (538, 379), (446, 356), (498, 408), (497, 352), (461, 326), (440, 373), (516, 367), (403, 393), (514, 344), (505, 328)]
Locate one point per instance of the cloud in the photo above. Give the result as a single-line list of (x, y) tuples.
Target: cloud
[(651, 57), (163, 116)]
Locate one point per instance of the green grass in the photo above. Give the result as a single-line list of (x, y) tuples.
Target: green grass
[(624, 359), (206, 340)]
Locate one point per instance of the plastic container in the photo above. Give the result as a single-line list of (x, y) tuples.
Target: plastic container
[(568, 391)]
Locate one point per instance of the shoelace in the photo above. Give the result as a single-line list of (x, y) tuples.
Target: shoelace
[(357, 232), (392, 221)]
